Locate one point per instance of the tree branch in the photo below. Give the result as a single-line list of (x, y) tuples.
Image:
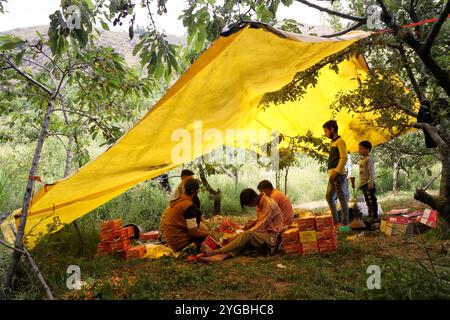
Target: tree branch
[(37, 64), (436, 28), (442, 145), (410, 73), (440, 74), (4, 216), (39, 49), (333, 12), (340, 33), (105, 130), (10, 247), (26, 76)]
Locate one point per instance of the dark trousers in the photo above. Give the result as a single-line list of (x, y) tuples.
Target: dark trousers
[(371, 200)]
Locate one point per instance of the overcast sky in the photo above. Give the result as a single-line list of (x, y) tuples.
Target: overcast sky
[(28, 13)]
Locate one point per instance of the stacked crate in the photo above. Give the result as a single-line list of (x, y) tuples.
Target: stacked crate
[(326, 235), (137, 252), (312, 235), (114, 238), (149, 236), (308, 237), (291, 241)]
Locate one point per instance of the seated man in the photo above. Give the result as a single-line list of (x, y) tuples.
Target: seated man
[(186, 175), (181, 225), (282, 200), (260, 233)]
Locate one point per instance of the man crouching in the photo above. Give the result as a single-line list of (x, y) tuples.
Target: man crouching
[(261, 233), (182, 220)]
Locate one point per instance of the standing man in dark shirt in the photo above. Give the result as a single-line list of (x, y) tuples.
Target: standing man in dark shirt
[(337, 174)]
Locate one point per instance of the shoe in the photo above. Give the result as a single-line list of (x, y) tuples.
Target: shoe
[(345, 229)]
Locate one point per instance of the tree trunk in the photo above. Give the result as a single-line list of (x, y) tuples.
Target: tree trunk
[(69, 157), (395, 177), (441, 203), (286, 180), (444, 189), (8, 281), (236, 179), (277, 179), (215, 194), (406, 180)]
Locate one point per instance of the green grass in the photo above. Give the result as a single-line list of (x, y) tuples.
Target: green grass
[(415, 267), (406, 270)]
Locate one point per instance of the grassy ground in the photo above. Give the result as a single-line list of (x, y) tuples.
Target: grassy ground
[(415, 267)]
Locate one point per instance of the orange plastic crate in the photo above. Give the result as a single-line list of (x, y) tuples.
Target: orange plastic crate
[(151, 235), (306, 223)]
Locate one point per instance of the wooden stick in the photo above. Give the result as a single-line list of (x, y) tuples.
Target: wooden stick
[(4, 216), (35, 269), (3, 242)]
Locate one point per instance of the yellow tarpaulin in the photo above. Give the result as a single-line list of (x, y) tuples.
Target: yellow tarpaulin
[(221, 90)]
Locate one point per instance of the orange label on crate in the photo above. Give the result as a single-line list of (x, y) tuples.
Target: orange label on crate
[(308, 236)]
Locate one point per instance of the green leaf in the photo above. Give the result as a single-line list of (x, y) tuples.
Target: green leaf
[(8, 42), (19, 57), (89, 4), (41, 37), (263, 13), (138, 47), (104, 25)]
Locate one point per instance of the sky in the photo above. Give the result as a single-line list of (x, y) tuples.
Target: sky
[(28, 13)]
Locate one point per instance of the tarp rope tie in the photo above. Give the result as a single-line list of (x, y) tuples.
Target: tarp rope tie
[(415, 24)]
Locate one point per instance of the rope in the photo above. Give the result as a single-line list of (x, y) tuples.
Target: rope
[(410, 25)]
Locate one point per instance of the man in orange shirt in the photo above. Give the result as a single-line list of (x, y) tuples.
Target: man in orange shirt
[(281, 199), (260, 233), (181, 225)]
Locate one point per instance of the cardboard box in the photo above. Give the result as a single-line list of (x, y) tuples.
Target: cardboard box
[(398, 219), (310, 247), (136, 252), (326, 235), (209, 243), (151, 235), (383, 226), (306, 223), (397, 211), (392, 229), (121, 234), (429, 218), (293, 248), (290, 236), (327, 245), (111, 225), (308, 236), (130, 231), (413, 215), (324, 223)]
